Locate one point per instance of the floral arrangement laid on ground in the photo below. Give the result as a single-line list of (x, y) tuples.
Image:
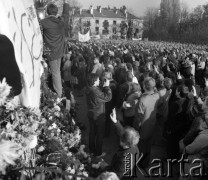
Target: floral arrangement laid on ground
[(43, 143), (59, 143)]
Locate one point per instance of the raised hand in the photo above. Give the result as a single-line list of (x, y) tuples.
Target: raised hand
[(179, 75), (168, 68), (177, 93), (156, 70), (148, 66), (193, 91), (113, 116), (106, 83), (126, 105), (206, 82)]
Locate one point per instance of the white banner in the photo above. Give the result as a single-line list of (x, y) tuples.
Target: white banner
[(134, 39), (19, 23), (84, 37), (95, 37)]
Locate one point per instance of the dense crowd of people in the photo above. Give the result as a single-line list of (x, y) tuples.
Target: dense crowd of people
[(159, 91), (153, 92)]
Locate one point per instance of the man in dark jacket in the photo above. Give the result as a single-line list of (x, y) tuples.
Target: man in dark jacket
[(145, 117), (109, 105), (96, 112), (54, 38)]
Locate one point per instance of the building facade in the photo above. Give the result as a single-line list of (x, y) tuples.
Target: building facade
[(106, 22)]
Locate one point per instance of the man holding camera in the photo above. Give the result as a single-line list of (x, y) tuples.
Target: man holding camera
[(96, 99)]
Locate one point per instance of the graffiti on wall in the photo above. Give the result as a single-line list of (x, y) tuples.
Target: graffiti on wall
[(21, 26)]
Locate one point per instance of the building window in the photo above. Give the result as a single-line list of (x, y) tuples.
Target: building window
[(86, 30), (114, 30), (87, 23), (114, 22), (97, 30), (105, 31), (105, 27), (105, 23), (97, 21)]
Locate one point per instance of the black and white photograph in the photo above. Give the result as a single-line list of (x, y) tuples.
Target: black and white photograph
[(104, 90)]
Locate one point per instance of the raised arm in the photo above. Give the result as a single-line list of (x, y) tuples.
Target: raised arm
[(65, 16), (119, 127), (105, 95), (139, 115)]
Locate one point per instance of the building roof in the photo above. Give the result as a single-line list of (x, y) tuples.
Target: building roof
[(106, 13)]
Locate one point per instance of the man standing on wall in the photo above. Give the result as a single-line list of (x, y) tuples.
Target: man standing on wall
[(54, 38)]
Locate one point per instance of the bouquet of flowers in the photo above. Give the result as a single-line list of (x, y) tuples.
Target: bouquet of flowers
[(60, 125), (19, 128), (9, 152), (45, 137), (4, 91), (58, 143), (21, 125)]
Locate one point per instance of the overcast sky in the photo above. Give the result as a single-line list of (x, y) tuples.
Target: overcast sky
[(137, 6)]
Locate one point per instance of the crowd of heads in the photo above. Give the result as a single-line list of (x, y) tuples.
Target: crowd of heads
[(150, 66), (141, 58)]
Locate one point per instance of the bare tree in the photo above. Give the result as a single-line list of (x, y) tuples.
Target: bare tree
[(131, 10), (75, 4), (75, 24), (197, 14), (170, 11), (184, 12), (150, 16)]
